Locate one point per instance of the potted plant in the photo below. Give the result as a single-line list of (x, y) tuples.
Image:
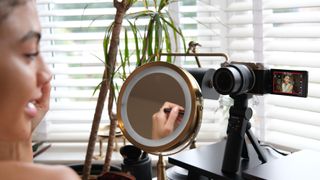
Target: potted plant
[(149, 41)]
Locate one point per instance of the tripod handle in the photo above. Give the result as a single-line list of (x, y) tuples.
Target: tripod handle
[(236, 131)]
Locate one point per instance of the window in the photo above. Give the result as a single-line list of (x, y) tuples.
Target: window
[(291, 40), (72, 44), (281, 34), (73, 32)]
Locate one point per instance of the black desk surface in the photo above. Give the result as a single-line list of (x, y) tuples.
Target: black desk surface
[(207, 161), (300, 165)]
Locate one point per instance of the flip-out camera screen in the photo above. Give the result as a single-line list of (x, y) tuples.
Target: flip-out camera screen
[(289, 82)]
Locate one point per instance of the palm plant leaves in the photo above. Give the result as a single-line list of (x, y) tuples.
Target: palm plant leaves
[(159, 32), (106, 41), (136, 41), (156, 32)]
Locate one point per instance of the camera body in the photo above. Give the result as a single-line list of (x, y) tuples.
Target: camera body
[(239, 78)]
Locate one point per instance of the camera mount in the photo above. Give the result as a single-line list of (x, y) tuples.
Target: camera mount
[(238, 126)]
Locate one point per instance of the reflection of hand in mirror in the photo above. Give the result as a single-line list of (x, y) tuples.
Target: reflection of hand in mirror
[(166, 120)]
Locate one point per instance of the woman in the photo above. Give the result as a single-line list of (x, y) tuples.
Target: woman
[(287, 86), (24, 92)]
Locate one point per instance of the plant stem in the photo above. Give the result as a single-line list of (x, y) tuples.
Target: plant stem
[(121, 7), (113, 126), (95, 126)]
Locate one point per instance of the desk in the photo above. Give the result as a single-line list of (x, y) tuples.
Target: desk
[(297, 166), (207, 161)]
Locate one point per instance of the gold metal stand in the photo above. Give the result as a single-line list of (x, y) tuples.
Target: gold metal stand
[(161, 168), (197, 54)]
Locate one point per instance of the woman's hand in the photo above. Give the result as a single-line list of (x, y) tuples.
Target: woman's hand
[(164, 123)]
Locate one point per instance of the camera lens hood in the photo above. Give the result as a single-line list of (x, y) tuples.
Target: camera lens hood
[(233, 79)]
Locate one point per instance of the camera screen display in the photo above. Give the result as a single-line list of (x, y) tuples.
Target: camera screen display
[(289, 82)]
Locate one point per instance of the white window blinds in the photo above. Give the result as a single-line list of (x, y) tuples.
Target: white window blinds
[(72, 46), (286, 33), (291, 40), (201, 22), (282, 34)]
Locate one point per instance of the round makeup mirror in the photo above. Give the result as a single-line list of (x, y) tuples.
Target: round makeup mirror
[(151, 89)]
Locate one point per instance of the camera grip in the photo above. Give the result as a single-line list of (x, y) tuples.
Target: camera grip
[(236, 131)]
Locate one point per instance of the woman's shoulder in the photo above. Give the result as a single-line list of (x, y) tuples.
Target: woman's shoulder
[(21, 170)]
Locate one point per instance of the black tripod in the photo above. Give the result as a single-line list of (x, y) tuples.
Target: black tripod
[(238, 126)]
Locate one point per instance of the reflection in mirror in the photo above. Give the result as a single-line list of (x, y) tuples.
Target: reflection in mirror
[(166, 120), (154, 105)]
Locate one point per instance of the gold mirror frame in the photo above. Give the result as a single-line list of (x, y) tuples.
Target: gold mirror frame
[(180, 138)]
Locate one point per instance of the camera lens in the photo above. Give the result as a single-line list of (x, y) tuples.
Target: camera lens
[(225, 77), (226, 80), (234, 79)]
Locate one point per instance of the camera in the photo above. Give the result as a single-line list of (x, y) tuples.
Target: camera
[(238, 78), (241, 81)]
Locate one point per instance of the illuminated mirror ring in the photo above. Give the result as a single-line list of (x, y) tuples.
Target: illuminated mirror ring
[(143, 93)]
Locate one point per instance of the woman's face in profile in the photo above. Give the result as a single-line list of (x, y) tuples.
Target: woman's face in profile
[(22, 71)]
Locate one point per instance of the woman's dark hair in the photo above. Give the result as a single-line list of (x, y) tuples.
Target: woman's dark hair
[(6, 7)]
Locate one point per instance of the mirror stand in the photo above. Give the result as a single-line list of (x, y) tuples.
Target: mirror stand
[(193, 144), (142, 96), (161, 168)]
